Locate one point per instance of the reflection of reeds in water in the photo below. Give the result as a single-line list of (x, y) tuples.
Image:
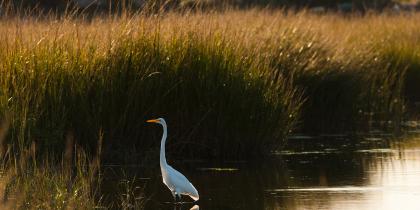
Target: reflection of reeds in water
[(131, 195)]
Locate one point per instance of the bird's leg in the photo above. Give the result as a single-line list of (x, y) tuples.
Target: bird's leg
[(179, 197), (174, 195)]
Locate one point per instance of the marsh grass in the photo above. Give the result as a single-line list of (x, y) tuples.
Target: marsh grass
[(73, 181), (231, 83), (46, 186), (43, 181), (203, 85)]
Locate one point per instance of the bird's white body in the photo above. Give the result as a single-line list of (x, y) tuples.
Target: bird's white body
[(177, 183)]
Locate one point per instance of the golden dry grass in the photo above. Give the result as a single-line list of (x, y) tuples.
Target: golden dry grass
[(231, 83)]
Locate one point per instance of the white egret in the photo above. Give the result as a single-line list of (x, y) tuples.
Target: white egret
[(177, 183)]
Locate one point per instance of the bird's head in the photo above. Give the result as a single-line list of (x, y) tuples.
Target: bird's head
[(158, 120)]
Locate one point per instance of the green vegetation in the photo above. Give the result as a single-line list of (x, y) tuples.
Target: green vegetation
[(231, 84), (228, 83), (28, 181), (72, 181), (211, 91)]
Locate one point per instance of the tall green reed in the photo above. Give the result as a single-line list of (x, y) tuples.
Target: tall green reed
[(217, 101)]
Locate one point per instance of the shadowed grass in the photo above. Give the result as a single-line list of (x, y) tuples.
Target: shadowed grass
[(208, 90)]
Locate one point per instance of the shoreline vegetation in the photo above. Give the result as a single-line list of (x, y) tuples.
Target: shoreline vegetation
[(232, 84)]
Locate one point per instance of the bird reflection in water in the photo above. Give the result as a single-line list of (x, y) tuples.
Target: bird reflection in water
[(179, 207), (195, 207)]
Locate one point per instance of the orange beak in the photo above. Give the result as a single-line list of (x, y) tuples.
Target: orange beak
[(153, 121)]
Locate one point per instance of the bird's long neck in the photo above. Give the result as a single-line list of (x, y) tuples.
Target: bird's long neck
[(162, 146)]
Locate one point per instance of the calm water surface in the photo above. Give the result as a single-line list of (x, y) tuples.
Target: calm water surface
[(324, 172)]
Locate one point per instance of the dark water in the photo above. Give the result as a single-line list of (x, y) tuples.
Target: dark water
[(323, 172)]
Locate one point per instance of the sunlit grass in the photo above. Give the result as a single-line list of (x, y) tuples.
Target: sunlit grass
[(115, 73)]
